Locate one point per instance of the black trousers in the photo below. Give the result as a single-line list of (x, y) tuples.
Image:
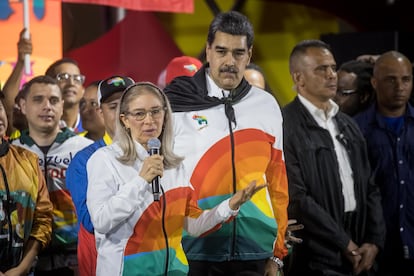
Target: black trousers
[(227, 268)]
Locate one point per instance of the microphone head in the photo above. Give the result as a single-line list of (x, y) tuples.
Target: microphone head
[(154, 143)]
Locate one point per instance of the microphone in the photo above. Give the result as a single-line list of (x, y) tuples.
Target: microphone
[(154, 148), (342, 139)]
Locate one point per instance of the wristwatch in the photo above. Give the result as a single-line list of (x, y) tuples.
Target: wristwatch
[(278, 261)]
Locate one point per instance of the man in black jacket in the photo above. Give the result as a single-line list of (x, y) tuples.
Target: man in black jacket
[(329, 174)]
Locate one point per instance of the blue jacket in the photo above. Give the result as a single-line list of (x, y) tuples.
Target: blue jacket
[(77, 182), (392, 160)]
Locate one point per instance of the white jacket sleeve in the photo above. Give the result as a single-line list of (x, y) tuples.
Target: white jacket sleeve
[(209, 219), (112, 196)]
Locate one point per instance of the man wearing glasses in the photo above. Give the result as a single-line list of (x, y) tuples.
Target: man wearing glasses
[(67, 73), (355, 92)]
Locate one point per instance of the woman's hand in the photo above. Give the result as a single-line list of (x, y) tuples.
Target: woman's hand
[(152, 166), (244, 195)]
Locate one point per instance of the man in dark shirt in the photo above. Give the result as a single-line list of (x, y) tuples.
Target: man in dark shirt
[(329, 174), (388, 126)]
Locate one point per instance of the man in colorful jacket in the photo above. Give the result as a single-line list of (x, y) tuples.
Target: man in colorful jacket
[(231, 133), (25, 207), (56, 147)]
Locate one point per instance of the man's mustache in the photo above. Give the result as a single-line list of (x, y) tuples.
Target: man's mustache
[(229, 70)]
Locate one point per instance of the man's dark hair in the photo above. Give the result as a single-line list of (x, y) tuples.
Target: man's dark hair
[(93, 83), (233, 23), (254, 66), (364, 71), (39, 79), (301, 48), (51, 70)]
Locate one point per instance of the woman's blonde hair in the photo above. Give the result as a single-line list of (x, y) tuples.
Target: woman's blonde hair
[(123, 135)]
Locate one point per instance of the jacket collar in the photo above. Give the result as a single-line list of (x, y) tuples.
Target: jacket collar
[(190, 93)]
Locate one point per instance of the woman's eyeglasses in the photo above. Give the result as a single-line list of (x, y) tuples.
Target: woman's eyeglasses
[(155, 113)]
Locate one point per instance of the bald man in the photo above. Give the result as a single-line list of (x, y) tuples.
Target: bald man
[(388, 126)]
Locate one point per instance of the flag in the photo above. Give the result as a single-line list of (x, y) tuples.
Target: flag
[(178, 6)]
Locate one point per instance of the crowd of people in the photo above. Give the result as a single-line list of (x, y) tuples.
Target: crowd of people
[(204, 173)]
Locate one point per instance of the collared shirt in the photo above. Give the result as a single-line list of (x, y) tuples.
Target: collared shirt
[(325, 120), (78, 129), (213, 89), (78, 125), (392, 160), (201, 122)]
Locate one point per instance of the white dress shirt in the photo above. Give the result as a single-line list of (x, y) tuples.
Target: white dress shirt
[(325, 120)]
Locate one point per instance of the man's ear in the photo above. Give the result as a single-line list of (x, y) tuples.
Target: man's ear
[(296, 77), (207, 52), (22, 104), (374, 83), (250, 54)]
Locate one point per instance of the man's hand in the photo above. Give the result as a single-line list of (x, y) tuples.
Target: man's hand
[(272, 269), (290, 239), (353, 254), (244, 195), (368, 253)]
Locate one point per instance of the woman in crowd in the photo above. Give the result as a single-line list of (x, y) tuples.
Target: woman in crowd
[(135, 233)]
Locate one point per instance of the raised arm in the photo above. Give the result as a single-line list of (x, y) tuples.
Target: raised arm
[(12, 85)]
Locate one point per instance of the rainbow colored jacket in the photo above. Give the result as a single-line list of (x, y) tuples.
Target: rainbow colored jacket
[(225, 159), (129, 224), (54, 165), (29, 211)]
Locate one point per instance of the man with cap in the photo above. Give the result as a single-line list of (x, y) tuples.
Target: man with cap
[(109, 94)]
